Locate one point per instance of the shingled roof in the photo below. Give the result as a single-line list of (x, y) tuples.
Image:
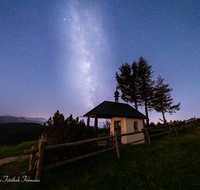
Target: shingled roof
[(114, 109)]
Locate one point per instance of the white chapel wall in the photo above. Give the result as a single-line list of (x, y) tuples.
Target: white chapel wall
[(127, 126), (130, 128)]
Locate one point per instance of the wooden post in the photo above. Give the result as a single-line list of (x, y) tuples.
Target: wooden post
[(147, 135), (95, 126), (32, 161), (112, 144), (39, 163), (174, 128), (88, 122), (116, 145)]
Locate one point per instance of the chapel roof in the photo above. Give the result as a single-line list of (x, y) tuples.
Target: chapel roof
[(109, 109)]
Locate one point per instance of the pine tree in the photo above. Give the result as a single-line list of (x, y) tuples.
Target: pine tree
[(145, 84), (136, 84), (127, 83), (162, 100)]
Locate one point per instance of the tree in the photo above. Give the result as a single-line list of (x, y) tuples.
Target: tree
[(145, 85), (136, 84), (60, 130), (152, 124), (107, 124), (55, 129), (127, 83), (162, 101)]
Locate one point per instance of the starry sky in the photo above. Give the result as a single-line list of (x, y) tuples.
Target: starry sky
[(63, 54)]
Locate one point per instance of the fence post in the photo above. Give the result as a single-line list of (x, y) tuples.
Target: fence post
[(116, 145), (145, 138), (174, 128), (112, 143), (147, 135), (31, 162), (39, 163)]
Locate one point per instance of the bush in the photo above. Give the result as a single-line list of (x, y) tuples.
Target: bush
[(61, 131), (152, 124)]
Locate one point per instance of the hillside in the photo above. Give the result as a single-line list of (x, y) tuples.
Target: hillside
[(15, 133)]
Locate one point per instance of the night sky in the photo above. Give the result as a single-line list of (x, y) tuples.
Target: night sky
[(63, 55)]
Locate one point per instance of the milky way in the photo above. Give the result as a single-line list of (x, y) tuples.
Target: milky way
[(84, 36), (63, 55)]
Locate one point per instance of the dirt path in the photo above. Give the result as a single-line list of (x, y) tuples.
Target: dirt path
[(12, 159)]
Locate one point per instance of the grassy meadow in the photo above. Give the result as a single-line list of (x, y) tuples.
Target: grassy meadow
[(170, 162), (16, 150)]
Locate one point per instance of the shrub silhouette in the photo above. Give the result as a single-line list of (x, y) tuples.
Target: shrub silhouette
[(61, 131)]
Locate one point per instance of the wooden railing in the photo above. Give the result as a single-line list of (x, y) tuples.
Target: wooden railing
[(171, 127), (36, 153)]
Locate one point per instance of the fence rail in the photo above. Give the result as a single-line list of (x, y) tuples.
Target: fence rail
[(36, 153), (32, 151), (184, 124)]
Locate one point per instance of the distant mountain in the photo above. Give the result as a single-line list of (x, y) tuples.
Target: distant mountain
[(12, 119), (36, 119)]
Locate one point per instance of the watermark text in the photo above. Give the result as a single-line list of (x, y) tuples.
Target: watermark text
[(23, 178)]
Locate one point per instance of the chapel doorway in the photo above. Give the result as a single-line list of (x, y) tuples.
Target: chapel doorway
[(117, 126)]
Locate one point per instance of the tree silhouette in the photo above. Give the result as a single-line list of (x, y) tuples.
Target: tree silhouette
[(60, 130), (127, 82), (162, 101), (136, 84), (145, 83)]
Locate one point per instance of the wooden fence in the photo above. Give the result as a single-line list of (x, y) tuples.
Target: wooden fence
[(36, 153), (169, 128)]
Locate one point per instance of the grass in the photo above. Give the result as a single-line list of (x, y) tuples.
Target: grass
[(11, 151), (171, 162), (103, 135), (12, 169)]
